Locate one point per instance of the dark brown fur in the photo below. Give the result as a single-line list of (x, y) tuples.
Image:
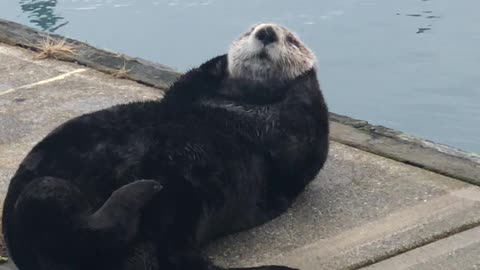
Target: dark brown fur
[(220, 155)]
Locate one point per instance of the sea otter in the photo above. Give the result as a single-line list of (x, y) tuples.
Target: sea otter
[(145, 185)]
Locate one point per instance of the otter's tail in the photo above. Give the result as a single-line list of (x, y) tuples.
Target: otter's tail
[(51, 226)]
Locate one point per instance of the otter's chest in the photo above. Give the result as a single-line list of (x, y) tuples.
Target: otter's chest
[(273, 127), (255, 121)]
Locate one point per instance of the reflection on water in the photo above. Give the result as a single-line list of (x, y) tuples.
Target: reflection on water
[(426, 14), (42, 14)]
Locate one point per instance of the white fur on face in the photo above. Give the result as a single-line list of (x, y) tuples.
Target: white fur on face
[(284, 59)]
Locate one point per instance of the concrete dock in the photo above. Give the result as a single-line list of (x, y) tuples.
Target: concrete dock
[(385, 200)]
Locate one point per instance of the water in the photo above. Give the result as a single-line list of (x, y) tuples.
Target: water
[(412, 65)]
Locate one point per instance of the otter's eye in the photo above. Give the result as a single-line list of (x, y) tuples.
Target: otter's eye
[(292, 40)]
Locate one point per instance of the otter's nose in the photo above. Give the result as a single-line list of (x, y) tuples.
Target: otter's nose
[(266, 35)]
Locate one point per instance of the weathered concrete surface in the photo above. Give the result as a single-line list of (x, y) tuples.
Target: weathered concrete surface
[(140, 70), (361, 209), (15, 72), (51, 97), (459, 251), (406, 148), (8, 266)]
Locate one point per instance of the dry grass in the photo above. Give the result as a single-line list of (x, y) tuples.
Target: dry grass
[(3, 259), (52, 48), (124, 56), (123, 72)]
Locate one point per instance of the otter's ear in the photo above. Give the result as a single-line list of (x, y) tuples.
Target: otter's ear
[(216, 66)]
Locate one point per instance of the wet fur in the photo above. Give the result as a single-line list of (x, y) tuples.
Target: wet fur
[(219, 154)]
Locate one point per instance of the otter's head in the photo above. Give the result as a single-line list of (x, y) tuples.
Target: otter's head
[(269, 52)]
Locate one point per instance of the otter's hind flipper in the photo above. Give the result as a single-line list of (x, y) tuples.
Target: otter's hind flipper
[(52, 221), (118, 216)]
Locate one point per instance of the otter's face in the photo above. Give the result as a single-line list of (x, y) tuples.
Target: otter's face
[(269, 52)]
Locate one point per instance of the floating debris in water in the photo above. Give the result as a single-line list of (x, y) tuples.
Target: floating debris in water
[(423, 29), (413, 15)]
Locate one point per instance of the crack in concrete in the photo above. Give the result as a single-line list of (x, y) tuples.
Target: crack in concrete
[(57, 78)]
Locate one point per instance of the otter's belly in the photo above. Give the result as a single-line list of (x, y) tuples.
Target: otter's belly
[(238, 205)]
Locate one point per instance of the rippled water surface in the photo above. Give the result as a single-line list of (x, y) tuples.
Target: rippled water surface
[(412, 65)]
